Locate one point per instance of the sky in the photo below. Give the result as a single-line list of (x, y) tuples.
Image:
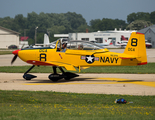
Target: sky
[(89, 9)]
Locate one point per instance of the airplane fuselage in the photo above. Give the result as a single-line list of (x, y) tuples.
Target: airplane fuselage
[(42, 56)]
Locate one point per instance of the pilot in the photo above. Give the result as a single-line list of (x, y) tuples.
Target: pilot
[(64, 45), (80, 47)]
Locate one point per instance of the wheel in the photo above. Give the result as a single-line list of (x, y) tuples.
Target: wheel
[(69, 75), (67, 78), (28, 76), (55, 77)]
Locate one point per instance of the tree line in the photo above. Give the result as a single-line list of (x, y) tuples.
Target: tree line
[(70, 22)]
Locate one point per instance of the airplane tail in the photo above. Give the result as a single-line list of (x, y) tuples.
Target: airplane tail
[(123, 38), (46, 40), (136, 47)]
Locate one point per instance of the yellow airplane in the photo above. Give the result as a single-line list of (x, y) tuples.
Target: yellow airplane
[(82, 54)]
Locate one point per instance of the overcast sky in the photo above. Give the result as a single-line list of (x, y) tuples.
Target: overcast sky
[(89, 9)]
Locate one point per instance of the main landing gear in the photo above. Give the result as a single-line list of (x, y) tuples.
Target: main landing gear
[(54, 77), (66, 75)]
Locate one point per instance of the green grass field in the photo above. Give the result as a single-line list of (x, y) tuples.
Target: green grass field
[(5, 52), (143, 69), (26, 105)]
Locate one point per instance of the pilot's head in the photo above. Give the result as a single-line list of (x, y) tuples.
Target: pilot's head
[(80, 47), (64, 45)]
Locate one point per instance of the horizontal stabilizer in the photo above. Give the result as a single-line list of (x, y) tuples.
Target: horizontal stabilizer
[(125, 56)]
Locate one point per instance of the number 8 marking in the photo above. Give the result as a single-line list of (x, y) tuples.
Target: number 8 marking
[(134, 42)]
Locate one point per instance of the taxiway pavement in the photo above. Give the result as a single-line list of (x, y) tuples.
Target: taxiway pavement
[(125, 84)]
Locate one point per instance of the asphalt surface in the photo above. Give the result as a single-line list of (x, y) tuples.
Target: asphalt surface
[(126, 84)]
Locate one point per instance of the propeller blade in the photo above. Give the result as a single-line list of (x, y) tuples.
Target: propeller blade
[(22, 46), (14, 58)]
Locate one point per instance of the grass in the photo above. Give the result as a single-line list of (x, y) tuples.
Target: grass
[(5, 52), (26, 105), (143, 69)]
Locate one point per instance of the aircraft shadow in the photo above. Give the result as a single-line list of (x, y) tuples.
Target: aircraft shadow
[(61, 80), (79, 79)]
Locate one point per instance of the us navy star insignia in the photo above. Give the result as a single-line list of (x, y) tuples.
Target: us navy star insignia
[(90, 59)]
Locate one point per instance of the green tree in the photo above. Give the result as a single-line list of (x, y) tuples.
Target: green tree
[(57, 29), (33, 20), (44, 21), (20, 21), (40, 38), (8, 22), (120, 24), (75, 20), (83, 28), (94, 24), (152, 17), (138, 24), (31, 41), (131, 17), (107, 24), (138, 16)]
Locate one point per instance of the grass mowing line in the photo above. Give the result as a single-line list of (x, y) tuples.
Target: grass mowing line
[(56, 105)]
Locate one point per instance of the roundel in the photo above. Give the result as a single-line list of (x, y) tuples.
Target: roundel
[(89, 59)]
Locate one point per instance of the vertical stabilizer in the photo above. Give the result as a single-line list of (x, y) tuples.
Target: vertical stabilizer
[(136, 47), (46, 40)]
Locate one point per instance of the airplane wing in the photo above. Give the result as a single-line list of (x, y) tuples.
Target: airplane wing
[(66, 66)]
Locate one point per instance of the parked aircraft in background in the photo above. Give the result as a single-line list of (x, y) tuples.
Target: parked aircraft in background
[(101, 44), (123, 38), (112, 43), (148, 44)]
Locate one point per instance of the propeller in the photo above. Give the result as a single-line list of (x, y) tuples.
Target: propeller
[(15, 57), (16, 54), (22, 46)]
